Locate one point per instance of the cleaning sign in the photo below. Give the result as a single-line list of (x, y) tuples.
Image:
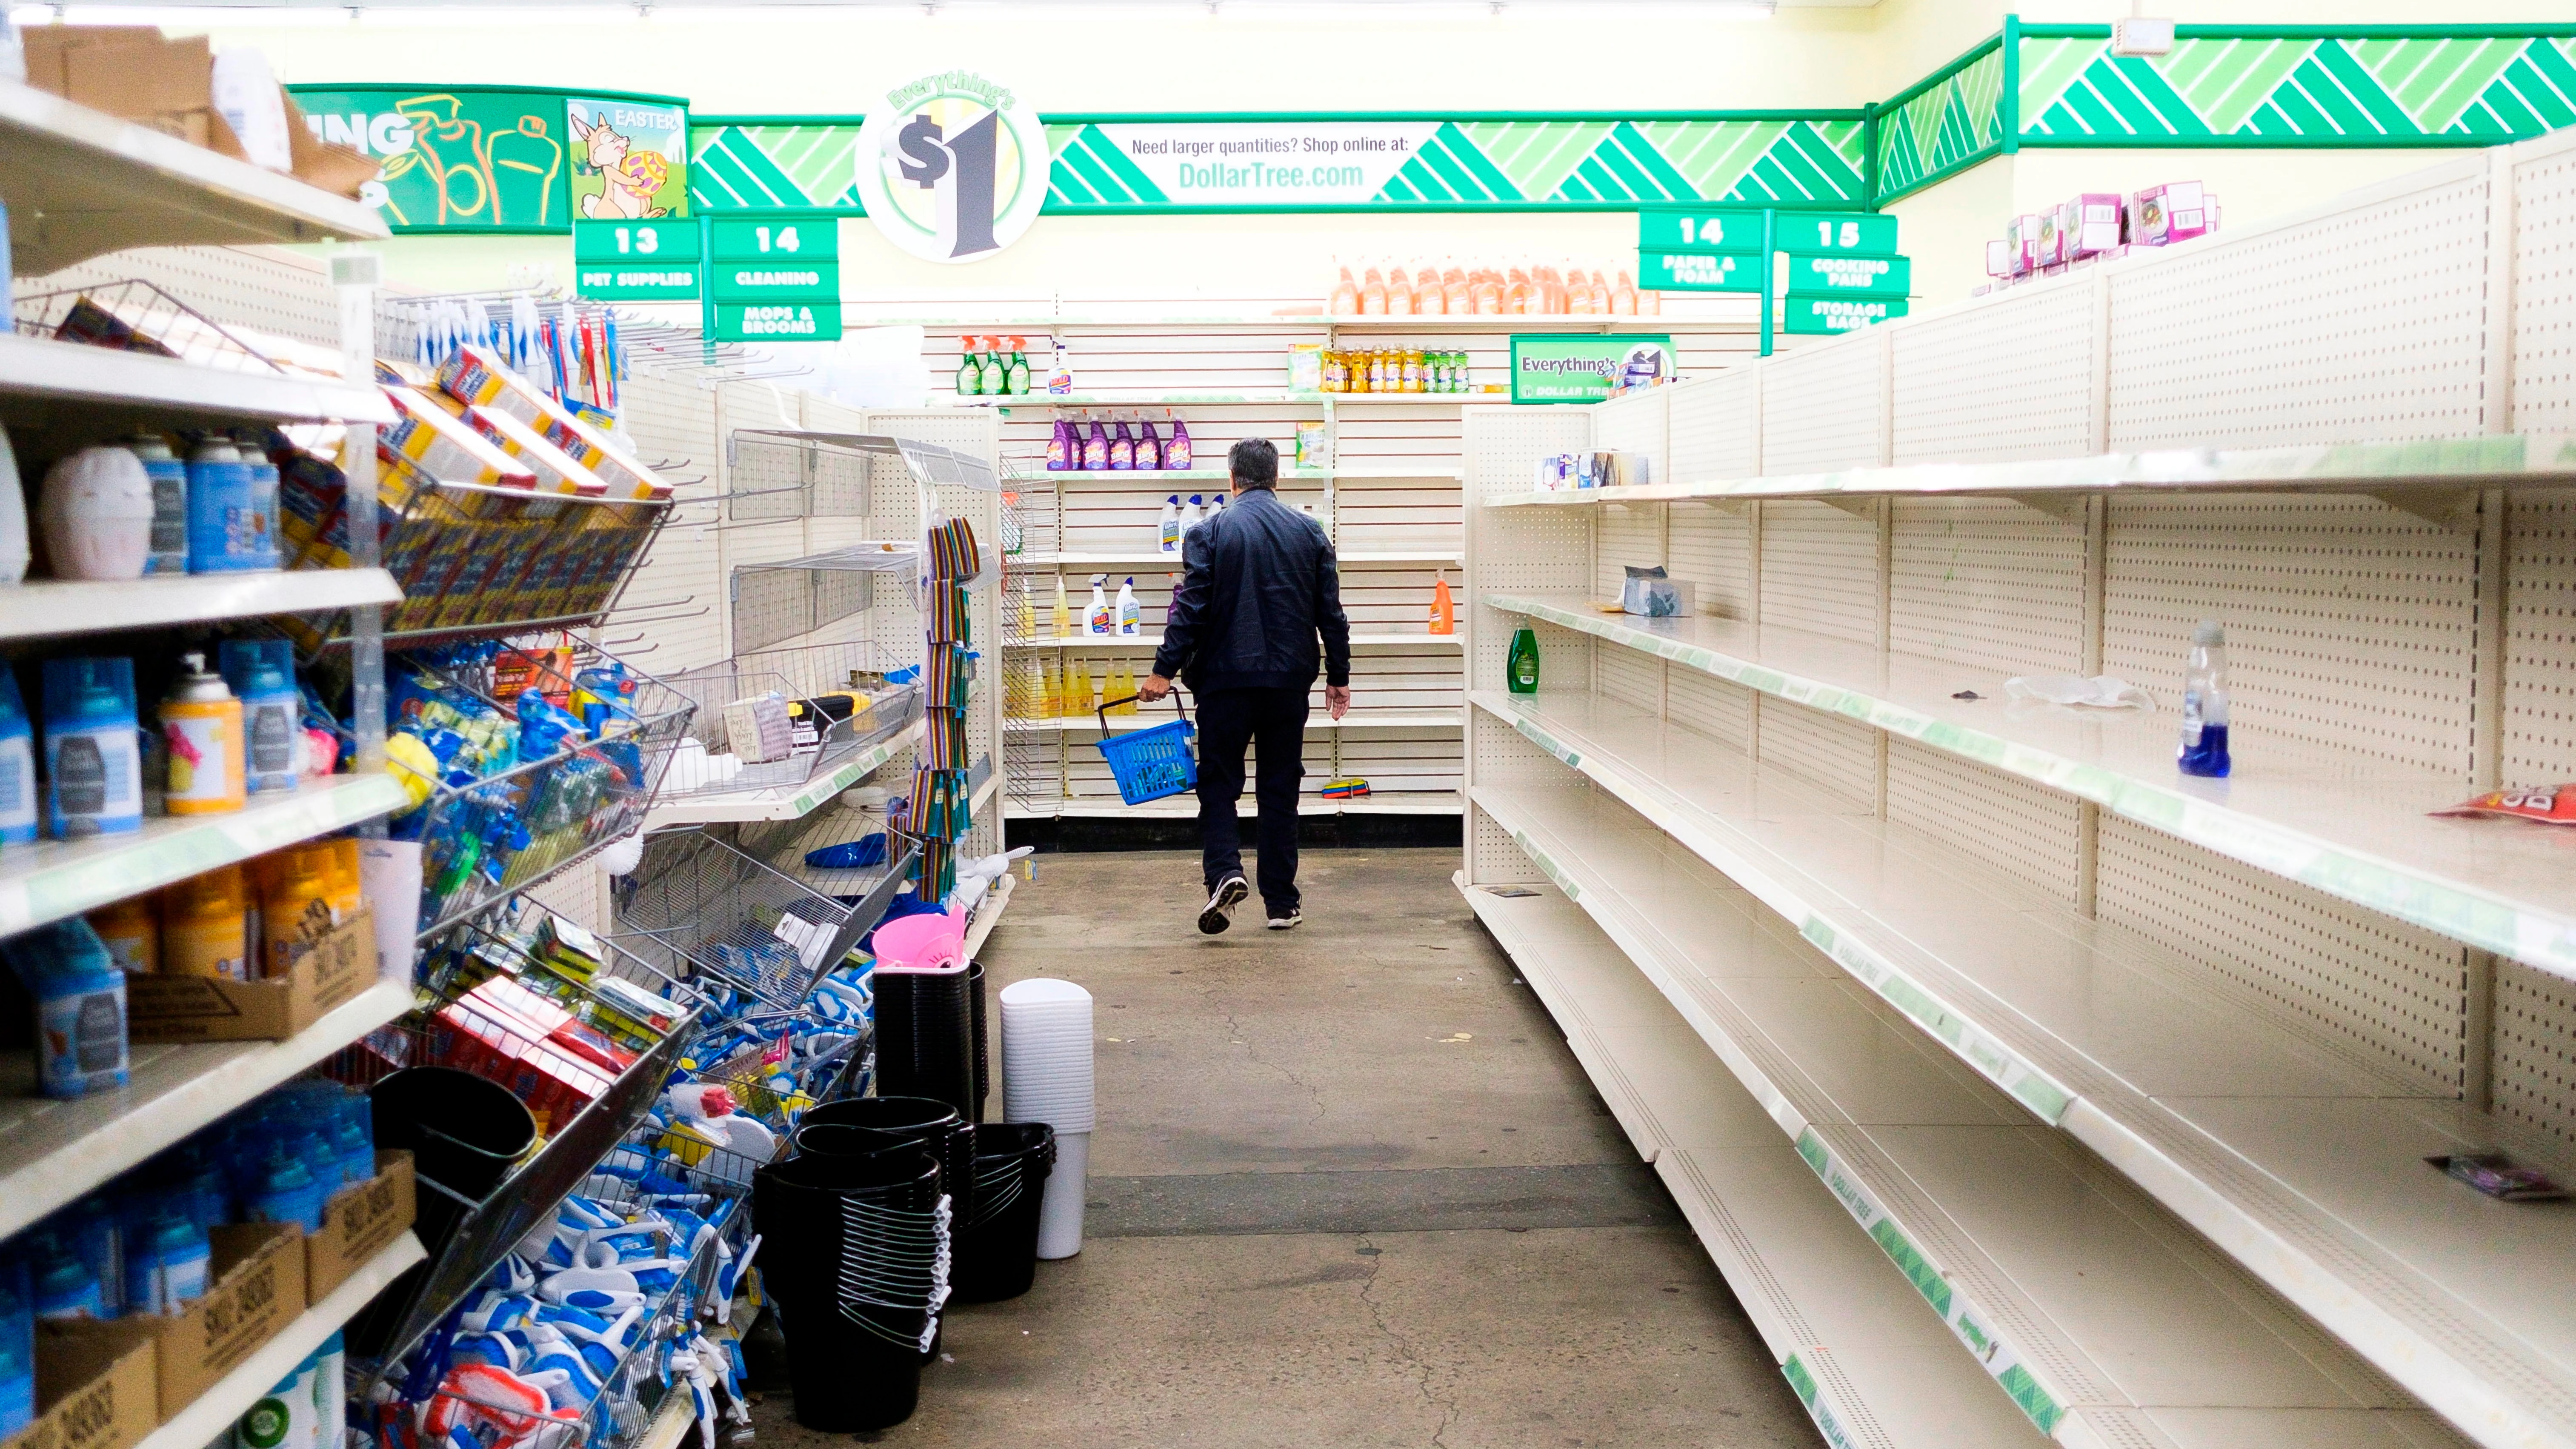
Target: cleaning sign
[(952, 167)]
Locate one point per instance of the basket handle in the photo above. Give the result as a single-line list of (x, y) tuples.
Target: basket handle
[(1107, 704)]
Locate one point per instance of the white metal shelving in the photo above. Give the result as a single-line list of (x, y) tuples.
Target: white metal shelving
[(52, 879), (1148, 642), (135, 385), (2346, 824), (81, 182), (213, 1412), (2081, 1302), (52, 1152), (782, 802), (44, 608)]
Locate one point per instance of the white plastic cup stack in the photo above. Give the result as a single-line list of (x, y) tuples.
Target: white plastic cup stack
[(1046, 1077)]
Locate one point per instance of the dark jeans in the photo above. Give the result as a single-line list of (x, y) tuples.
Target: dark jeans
[(1229, 719)]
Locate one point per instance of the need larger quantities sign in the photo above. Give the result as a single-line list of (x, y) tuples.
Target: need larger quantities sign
[(1586, 367)]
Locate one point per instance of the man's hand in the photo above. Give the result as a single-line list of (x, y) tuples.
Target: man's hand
[(1337, 700), (1153, 687)]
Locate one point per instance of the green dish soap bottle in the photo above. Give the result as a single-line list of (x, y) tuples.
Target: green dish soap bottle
[(1521, 668)]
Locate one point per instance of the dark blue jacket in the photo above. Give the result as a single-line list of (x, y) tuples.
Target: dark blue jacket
[(1259, 586)]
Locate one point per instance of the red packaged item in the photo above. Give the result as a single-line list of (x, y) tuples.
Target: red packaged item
[(2548, 804)]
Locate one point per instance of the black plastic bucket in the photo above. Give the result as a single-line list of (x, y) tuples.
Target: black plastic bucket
[(997, 1251), (463, 1132), (926, 1037), (852, 1365), (976, 1013), (935, 1124)]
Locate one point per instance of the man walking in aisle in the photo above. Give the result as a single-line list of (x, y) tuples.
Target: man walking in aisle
[(1259, 586)]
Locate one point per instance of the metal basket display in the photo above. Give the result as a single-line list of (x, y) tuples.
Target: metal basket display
[(483, 842), (478, 562), (697, 902), (795, 674), (136, 316)]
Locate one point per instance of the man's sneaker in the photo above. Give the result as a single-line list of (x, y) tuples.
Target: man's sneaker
[(1228, 894), (1289, 921)]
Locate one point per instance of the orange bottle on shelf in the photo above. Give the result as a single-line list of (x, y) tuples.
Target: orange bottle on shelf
[(1427, 296), (1373, 293), (1623, 297), (1399, 292), (1650, 303), (1599, 291), (1345, 301), (1520, 297), (1489, 292), (1455, 291), (1444, 609), (1578, 294)]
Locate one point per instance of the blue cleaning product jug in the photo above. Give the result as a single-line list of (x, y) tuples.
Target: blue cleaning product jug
[(62, 1285), (262, 673), (17, 1350), (93, 763), (17, 765), (80, 1007)]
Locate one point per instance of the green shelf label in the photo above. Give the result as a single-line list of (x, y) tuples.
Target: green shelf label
[(1700, 271), (667, 242), (777, 280), (777, 322), (1849, 276), (1813, 315), (809, 239)]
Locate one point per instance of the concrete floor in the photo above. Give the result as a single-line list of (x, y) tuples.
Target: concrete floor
[(1349, 1188)]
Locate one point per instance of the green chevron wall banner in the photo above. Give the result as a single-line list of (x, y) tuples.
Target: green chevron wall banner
[(1111, 165), (1943, 124), (2374, 86)]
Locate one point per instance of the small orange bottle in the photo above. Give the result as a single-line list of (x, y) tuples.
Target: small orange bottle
[(295, 911), (1345, 300), (1488, 292), (1373, 294), (1520, 297), (1399, 292), (205, 926), (1444, 609), (1455, 291)]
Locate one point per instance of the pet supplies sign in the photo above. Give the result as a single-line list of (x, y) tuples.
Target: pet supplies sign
[(630, 159)]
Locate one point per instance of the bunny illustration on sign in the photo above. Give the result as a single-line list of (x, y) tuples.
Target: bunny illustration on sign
[(629, 176)]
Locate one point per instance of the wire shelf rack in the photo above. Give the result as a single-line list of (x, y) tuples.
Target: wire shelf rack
[(776, 475), (136, 316), (795, 674), (696, 902), (479, 562), (486, 841), (458, 1032)]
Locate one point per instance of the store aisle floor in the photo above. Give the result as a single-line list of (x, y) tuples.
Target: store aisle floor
[(1349, 1188)]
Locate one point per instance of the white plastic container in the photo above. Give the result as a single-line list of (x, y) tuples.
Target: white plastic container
[(1047, 1076), (96, 515), (245, 91), (13, 514)]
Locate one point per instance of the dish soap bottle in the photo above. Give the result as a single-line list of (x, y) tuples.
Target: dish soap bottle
[(1097, 619), (2204, 704), (1444, 609), (1521, 668), (1131, 617)]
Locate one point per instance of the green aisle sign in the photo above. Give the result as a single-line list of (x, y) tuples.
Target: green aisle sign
[(636, 261), (1850, 276), (788, 281), (1811, 315), (1701, 271), (1584, 367), (1845, 232), (782, 322), (792, 238), (1700, 229)]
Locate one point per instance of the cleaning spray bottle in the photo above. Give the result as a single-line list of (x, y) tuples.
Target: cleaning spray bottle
[(1095, 448), (1097, 619), (1122, 449), (1444, 609), (1167, 528), (1131, 617), (2204, 704), (1191, 516), (1176, 453), (1149, 446), (1060, 446), (201, 728)]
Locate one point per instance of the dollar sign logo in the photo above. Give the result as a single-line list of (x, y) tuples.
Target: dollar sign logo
[(928, 159)]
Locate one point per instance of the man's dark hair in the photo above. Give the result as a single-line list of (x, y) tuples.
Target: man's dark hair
[(1254, 463)]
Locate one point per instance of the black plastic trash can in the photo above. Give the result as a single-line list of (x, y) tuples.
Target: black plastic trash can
[(997, 1249), (925, 1028), (854, 1262)]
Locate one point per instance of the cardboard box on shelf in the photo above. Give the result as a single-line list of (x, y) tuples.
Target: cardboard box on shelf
[(339, 968), (339, 170), (255, 1289), (135, 73), (95, 1386), (360, 1222)]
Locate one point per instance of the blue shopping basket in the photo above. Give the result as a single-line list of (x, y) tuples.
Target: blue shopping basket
[(1150, 764)]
